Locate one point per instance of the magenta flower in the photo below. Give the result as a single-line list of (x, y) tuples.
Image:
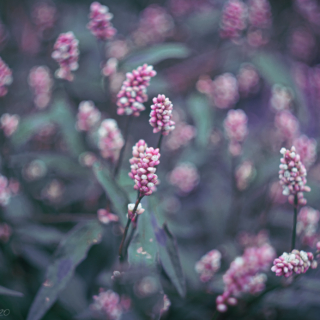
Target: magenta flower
[(260, 13), (161, 115), (233, 19), (5, 78), (9, 123), (307, 149), (66, 53), (100, 22), (294, 262), (208, 265), (110, 139), (139, 148), (88, 116), (105, 217), (292, 176), (133, 92)]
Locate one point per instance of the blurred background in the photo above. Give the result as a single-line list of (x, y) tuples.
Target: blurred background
[(216, 191)]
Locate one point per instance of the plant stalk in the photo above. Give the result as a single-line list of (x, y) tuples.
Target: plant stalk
[(294, 231), (160, 141)]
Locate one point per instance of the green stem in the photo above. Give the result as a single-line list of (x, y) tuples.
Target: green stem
[(159, 142), (294, 231)]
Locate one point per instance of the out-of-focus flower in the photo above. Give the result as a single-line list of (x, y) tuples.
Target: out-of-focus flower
[(110, 139), (247, 240), (281, 98), (88, 116), (302, 44), (257, 37), (41, 82), (14, 186), (5, 78), (244, 174), (244, 275), (66, 53), (5, 193), (308, 219), (5, 232), (133, 92), (9, 123), (87, 159), (166, 304), (100, 22), (107, 303), (117, 49), (259, 13), (106, 217), (34, 170), (225, 91), (155, 25), (248, 80), (294, 262), (147, 285), (183, 7), (233, 19), (276, 194), (139, 210), (235, 126), (208, 265), (110, 67), (53, 191), (161, 115), (307, 149), (292, 175), (44, 15), (287, 125), (185, 176), (309, 9)]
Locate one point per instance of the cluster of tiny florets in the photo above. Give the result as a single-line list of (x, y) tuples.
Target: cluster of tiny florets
[(307, 149), (161, 115), (307, 225), (100, 22), (287, 125), (110, 139), (281, 97), (9, 123), (293, 262), (138, 211), (133, 92), (66, 53), (248, 80), (259, 13), (208, 265), (5, 78), (88, 116), (105, 217), (292, 175)]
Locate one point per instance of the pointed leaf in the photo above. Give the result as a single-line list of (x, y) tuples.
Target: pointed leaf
[(71, 251), (8, 292)]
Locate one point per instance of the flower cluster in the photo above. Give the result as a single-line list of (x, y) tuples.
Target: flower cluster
[(293, 262), (143, 168), (244, 275), (246, 239), (307, 149), (166, 304), (44, 15), (110, 139), (105, 217), (41, 82), (133, 92), (5, 78), (108, 304), (233, 20), (302, 44), (66, 53), (5, 193), (235, 126), (161, 115), (281, 98), (9, 123), (248, 80), (88, 116), (138, 211), (208, 265), (287, 125), (259, 13), (307, 225), (292, 176), (244, 174), (155, 26), (5, 232), (110, 67), (185, 176), (100, 25)]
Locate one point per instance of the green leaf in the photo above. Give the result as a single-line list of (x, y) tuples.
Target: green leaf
[(8, 292), (156, 54), (71, 251), (202, 114), (117, 196)]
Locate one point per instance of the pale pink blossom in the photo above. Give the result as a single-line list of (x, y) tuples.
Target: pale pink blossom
[(138, 211), (87, 159), (257, 37), (233, 19), (307, 149), (5, 193), (292, 175), (66, 53), (117, 49), (110, 139), (208, 265), (5, 78), (294, 262), (105, 217), (44, 15), (236, 129), (161, 115), (9, 123), (88, 116), (244, 174), (181, 136), (287, 125), (110, 67), (259, 13), (309, 9), (41, 82), (166, 304), (133, 92), (307, 225), (281, 98), (100, 22), (185, 177), (302, 44), (248, 80)]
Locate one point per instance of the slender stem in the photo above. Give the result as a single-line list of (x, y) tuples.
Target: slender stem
[(126, 132), (294, 231), (160, 140), (215, 315)]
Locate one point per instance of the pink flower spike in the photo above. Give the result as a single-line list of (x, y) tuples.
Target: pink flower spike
[(139, 210), (5, 78), (100, 22), (161, 115), (133, 92), (66, 53), (208, 265), (106, 217), (260, 13), (307, 149), (88, 116), (9, 123)]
